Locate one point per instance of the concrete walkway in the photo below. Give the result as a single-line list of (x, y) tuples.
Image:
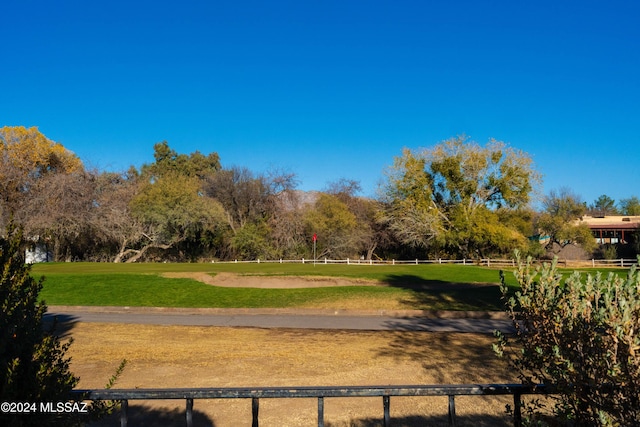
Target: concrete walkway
[(371, 320)]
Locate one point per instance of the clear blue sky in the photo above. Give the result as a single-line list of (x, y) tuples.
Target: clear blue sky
[(331, 89)]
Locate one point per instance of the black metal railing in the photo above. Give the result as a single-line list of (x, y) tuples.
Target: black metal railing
[(257, 393)]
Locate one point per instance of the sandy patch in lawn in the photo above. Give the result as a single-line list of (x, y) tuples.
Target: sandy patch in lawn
[(271, 282), (178, 356), (233, 280)]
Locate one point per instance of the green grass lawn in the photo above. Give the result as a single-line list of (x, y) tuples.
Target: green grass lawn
[(424, 287)]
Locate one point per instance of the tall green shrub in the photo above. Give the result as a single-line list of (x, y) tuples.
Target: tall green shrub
[(580, 336), (33, 366)]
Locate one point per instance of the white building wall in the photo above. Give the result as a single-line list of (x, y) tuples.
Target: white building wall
[(36, 254)]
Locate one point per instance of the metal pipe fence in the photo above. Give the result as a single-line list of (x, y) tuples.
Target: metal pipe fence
[(319, 393)]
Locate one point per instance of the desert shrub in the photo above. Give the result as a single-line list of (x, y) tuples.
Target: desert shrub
[(609, 252), (580, 337)]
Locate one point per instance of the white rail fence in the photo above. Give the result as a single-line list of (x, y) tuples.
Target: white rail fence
[(594, 263)]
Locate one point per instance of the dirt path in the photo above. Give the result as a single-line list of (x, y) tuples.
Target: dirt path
[(179, 356)]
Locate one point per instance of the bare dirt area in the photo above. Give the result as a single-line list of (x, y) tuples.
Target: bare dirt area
[(178, 356), (271, 282)]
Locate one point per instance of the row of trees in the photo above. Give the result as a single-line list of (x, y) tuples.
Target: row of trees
[(457, 199)]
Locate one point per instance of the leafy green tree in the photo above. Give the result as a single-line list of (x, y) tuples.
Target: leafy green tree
[(562, 209), (167, 206), (252, 242), (523, 220), (33, 363), (630, 206), (603, 206), (369, 233), (335, 225), (448, 196), (579, 336), (172, 210), (168, 161)]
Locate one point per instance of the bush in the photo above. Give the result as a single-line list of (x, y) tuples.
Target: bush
[(33, 365), (609, 252), (581, 338)]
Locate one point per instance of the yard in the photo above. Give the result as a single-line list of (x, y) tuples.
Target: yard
[(179, 356)]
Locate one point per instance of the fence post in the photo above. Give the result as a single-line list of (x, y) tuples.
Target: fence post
[(517, 410), (303, 260), (320, 411), (124, 406), (189, 413), (255, 407), (452, 410), (386, 403)]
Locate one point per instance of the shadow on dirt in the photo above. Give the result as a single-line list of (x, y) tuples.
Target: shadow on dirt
[(451, 358), (62, 324), (440, 295), (434, 421), (139, 415)]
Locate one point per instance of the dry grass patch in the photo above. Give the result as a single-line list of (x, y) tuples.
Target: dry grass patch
[(178, 356)]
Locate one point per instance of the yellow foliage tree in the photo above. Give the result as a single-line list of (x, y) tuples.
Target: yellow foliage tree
[(26, 155)]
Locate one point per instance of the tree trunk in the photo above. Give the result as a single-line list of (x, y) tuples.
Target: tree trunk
[(370, 251), (139, 253)]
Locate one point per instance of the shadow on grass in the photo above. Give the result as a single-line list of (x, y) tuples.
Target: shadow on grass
[(433, 421), (441, 295), (139, 415)]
